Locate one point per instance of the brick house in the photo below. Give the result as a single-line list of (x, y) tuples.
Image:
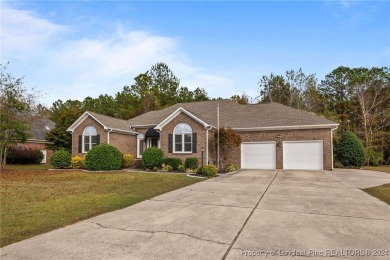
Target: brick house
[(273, 136)]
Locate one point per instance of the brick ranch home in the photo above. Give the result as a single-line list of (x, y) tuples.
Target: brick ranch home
[(273, 136)]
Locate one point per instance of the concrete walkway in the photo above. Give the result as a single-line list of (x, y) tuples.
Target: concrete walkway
[(251, 213), (362, 178)]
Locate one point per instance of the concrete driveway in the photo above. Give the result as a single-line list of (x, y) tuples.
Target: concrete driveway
[(273, 214)]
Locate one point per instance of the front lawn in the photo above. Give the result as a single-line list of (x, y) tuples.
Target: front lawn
[(382, 168), (381, 192), (37, 201)]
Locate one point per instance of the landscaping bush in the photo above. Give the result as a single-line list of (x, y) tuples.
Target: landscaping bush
[(208, 170), (152, 157), (191, 163), (174, 162), (61, 159), (166, 168), (376, 158), (181, 168), (103, 157), (21, 155), (350, 150), (78, 162), (231, 167), (127, 160)]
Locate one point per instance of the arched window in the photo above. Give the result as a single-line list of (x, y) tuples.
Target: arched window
[(90, 138), (182, 138)]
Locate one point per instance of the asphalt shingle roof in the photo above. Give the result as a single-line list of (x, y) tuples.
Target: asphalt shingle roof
[(231, 115), (235, 115), (39, 127), (111, 122)]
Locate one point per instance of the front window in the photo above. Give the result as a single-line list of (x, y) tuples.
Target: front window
[(183, 138), (90, 138)]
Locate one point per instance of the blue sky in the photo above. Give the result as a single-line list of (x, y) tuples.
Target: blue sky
[(74, 49)]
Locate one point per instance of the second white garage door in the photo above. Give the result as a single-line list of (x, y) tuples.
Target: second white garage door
[(258, 155), (302, 155)]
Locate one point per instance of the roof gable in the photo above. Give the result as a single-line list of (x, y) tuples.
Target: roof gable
[(176, 113)]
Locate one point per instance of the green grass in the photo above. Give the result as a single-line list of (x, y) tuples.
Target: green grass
[(26, 167), (381, 192), (34, 202), (382, 168)]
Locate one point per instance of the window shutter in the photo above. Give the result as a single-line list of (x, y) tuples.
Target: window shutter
[(98, 139), (170, 143), (194, 142), (80, 143)]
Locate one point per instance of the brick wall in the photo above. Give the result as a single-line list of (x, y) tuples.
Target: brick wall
[(196, 128)]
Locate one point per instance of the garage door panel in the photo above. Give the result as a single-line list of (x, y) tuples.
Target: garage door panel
[(258, 155), (302, 155)]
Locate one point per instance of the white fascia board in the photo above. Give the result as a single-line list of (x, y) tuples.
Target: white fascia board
[(38, 141), (143, 126), (123, 131), (176, 113), (81, 119), (293, 127)]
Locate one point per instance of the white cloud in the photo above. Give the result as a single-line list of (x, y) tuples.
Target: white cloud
[(68, 68)]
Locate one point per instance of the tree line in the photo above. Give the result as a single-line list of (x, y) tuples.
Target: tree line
[(357, 98)]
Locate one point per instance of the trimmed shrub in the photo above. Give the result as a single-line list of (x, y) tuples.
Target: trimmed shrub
[(166, 168), (208, 170), (376, 158), (181, 168), (173, 162), (78, 162), (61, 159), (351, 150), (191, 163), (103, 157), (152, 157), (21, 155), (127, 160), (231, 167)]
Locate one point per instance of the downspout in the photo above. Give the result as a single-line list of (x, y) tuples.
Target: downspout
[(108, 135), (331, 141), (207, 144)]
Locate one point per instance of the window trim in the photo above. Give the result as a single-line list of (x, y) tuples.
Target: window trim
[(90, 139), (182, 138)]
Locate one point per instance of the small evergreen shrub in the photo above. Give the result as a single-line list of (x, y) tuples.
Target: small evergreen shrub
[(78, 162), (208, 170), (155, 169), (350, 150), (61, 159), (191, 163), (22, 155), (231, 167), (174, 162), (152, 157), (127, 160), (103, 157), (181, 168)]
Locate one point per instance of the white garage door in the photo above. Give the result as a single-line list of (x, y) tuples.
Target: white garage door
[(302, 155), (258, 155)]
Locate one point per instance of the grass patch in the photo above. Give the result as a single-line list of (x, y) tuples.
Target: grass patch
[(34, 202), (381, 192), (382, 168), (26, 167)]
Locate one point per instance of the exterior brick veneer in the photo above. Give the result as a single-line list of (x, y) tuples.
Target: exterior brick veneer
[(127, 143)]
